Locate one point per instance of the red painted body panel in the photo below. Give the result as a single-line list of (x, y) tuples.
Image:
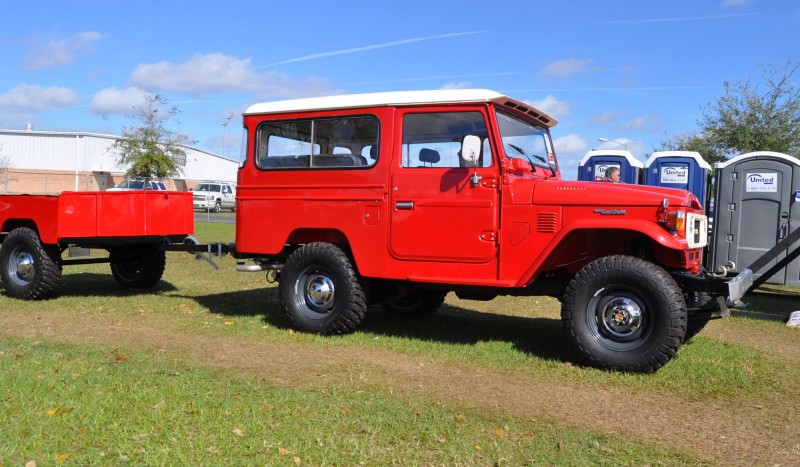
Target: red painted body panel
[(90, 214), (505, 231)]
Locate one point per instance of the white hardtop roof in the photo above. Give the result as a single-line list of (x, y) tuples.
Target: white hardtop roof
[(687, 154), (382, 99), (611, 152), (779, 155)]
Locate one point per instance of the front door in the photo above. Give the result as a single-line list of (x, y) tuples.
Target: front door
[(442, 210)]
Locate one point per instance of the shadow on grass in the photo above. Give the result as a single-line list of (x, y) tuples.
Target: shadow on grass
[(770, 303), (541, 337), (93, 284)]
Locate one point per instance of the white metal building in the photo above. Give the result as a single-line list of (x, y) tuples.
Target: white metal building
[(50, 161)]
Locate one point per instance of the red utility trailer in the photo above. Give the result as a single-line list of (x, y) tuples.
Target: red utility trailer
[(135, 228)]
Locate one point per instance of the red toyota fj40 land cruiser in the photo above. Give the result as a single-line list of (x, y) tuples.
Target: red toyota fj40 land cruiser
[(398, 198)]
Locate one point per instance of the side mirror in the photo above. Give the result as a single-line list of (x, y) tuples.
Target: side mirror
[(471, 150)]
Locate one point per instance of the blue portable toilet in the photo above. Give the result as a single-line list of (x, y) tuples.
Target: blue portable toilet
[(595, 162), (679, 169)]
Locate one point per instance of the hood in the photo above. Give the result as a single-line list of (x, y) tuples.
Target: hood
[(610, 194)]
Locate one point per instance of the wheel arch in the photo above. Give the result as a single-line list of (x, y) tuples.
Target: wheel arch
[(578, 246), (11, 224)]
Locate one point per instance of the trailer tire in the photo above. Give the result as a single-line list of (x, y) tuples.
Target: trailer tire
[(29, 270), (624, 313), (320, 290), (138, 268), (417, 302)]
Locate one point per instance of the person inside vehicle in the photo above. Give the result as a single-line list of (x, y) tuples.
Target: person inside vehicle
[(612, 174)]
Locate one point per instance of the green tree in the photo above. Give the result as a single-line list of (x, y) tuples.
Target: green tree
[(749, 117), (148, 147)]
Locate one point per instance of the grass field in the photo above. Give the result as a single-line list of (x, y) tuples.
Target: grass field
[(204, 369)]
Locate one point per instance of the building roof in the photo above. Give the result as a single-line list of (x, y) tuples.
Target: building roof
[(84, 134), (400, 98)]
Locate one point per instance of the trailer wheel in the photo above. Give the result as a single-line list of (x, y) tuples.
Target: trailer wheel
[(320, 290), (138, 268), (29, 270), (418, 302), (624, 313)]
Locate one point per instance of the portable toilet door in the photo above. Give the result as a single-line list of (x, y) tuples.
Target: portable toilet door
[(678, 169), (594, 164), (757, 205)]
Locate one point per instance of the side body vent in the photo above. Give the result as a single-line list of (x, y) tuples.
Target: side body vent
[(548, 222)]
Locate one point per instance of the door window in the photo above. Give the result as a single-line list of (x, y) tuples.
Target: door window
[(434, 139)]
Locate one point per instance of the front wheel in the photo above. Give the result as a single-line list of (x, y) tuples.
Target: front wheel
[(29, 270), (138, 268), (217, 207), (624, 313), (320, 290)]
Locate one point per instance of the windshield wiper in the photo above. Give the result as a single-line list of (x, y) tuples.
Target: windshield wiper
[(527, 156)]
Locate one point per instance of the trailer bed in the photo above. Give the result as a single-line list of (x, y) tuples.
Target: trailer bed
[(134, 226)]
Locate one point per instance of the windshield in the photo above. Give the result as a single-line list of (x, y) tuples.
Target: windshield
[(525, 140), (207, 187)]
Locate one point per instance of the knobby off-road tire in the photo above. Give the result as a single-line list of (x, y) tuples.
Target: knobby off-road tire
[(138, 268), (624, 313), (29, 270), (320, 290), (417, 302)]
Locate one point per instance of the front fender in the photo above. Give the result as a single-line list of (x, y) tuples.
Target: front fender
[(561, 252)]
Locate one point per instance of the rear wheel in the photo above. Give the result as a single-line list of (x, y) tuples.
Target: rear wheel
[(29, 270), (321, 291), (138, 268), (624, 313)]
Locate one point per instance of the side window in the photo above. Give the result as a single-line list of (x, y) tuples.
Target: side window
[(317, 143), (434, 139)]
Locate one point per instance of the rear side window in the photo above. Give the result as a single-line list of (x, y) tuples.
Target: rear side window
[(341, 142)]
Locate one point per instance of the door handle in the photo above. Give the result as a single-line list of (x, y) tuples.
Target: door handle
[(404, 205), (784, 231)]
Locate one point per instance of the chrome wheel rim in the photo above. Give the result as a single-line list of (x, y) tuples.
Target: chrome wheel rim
[(315, 292), (21, 267), (618, 318)]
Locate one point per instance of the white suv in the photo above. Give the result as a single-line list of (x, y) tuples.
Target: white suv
[(214, 196)]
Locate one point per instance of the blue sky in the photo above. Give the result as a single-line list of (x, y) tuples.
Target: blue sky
[(631, 71)]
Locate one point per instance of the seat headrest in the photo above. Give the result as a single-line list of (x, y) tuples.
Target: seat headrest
[(429, 156)]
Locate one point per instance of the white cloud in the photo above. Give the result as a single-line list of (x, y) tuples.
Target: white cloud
[(202, 75), (570, 145), (643, 122), (118, 101), (59, 52), (457, 85), (569, 150), (604, 118), (566, 68), (33, 98), (552, 106)]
